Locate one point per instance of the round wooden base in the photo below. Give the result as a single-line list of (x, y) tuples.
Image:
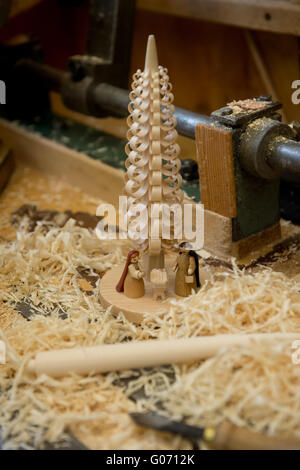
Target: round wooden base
[(133, 309)]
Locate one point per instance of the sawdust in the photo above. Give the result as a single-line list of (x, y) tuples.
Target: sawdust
[(42, 268), (247, 105), (29, 185), (257, 387)]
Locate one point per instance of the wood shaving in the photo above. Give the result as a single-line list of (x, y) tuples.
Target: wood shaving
[(254, 387), (248, 105)]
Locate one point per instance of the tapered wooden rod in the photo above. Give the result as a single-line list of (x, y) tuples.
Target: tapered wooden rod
[(123, 356), (151, 61)]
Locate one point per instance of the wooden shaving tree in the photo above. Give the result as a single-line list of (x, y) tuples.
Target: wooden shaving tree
[(152, 165)]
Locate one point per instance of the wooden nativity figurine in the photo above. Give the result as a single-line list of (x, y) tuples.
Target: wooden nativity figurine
[(187, 271), (131, 281)]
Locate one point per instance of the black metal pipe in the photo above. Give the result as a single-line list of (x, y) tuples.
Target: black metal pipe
[(112, 99), (285, 156), (187, 120), (115, 100), (52, 78), (106, 97)]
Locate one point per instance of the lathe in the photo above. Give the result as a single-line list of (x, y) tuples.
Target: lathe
[(265, 149)]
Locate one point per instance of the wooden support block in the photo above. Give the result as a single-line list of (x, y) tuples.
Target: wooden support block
[(251, 244), (218, 238), (215, 161), (217, 234)]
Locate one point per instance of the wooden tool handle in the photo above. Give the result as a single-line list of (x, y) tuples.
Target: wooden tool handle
[(230, 437)]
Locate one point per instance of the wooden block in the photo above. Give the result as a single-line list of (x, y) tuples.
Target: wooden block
[(215, 161), (218, 238), (253, 243), (217, 234), (159, 277), (159, 281)]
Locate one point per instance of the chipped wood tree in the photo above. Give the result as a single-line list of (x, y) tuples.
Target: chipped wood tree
[(152, 165)]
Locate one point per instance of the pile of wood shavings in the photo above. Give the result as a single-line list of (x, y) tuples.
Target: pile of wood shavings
[(42, 268), (257, 387), (265, 301), (30, 186)]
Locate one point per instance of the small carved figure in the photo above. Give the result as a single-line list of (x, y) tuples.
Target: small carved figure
[(131, 281), (159, 280), (187, 274)]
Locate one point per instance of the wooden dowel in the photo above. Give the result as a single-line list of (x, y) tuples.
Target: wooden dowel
[(124, 356)]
